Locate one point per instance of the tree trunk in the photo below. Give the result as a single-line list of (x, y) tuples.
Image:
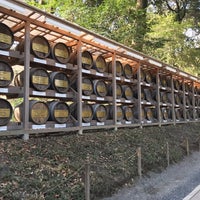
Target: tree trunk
[(141, 25)]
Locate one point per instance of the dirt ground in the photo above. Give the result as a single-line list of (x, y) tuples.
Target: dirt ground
[(52, 166)]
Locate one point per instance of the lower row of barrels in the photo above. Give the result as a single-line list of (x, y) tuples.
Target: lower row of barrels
[(60, 112)]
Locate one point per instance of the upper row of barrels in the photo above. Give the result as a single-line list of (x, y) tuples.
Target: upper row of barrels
[(60, 52)]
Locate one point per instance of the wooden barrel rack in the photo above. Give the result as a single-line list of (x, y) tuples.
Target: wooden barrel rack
[(67, 78)]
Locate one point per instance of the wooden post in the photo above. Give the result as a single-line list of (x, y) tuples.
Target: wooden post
[(158, 97), (139, 155), (79, 86), (167, 144), (187, 147), (199, 144), (26, 80), (87, 179), (114, 89)]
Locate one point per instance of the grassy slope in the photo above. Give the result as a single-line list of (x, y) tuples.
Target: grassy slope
[(53, 167)]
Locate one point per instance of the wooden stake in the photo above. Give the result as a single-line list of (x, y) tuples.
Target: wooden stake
[(187, 147), (167, 154), (139, 155), (87, 179)]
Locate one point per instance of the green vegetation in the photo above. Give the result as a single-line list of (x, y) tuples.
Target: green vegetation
[(164, 29), (53, 167)]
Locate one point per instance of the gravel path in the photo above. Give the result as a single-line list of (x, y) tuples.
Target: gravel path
[(172, 184)]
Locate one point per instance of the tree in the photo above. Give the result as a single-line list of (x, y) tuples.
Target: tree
[(160, 28), (140, 24)]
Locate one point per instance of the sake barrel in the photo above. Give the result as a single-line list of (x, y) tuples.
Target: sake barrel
[(189, 114), (87, 112), (163, 81), (148, 94), (148, 77), (5, 112), (177, 99), (40, 47), (163, 97), (143, 95), (169, 82), (169, 97), (59, 81), (38, 112), (120, 113), (128, 113), (100, 88), (128, 71), (136, 94), (119, 68), (59, 111), (178, 114), (187, 101), (6, 37), (187, 88), (176, 84), (142, 75), (100, 112), (87, 60), (100, 64), (39, 79), (164, 113), (60, 52), (149, 113), (137, 113), (127, 92), (196, 114), (19, 79), (195, 89), (6, 74), (119, 91), (87, 86), (197, 101)]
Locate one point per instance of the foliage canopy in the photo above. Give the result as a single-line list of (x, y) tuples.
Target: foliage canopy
[(166, 29)]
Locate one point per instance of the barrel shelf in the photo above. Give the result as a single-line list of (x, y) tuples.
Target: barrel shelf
[(125, 101), (11, 126), (127, 124), (12, 90), (96, 123), (144, 84), (166, 122), (49, 63), (51, 125), (124, 123), (97, 98), (96, 127), (11, 53), (97, 74), (166, 89), (52, 94), (147, 103), (124, 79), (165, 104), (149, 122)]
